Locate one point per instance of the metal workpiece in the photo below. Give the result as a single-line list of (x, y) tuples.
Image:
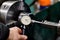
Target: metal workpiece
[(47, 23), (5, 11)]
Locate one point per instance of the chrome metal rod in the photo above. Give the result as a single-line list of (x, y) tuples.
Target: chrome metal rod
[(47, 23), (23, 30)]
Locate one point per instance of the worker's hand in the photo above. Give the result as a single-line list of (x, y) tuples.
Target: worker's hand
[(15, 34)]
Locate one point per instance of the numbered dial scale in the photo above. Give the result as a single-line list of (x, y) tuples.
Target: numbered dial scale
[(25, 19)]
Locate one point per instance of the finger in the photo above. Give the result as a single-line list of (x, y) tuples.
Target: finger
[(19, 30), (22, 37)]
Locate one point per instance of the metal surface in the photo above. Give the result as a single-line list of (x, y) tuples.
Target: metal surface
[(10, 10), (5, 11)]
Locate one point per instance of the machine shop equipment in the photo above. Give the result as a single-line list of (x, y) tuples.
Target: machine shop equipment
[(13, 11), (10, 11)]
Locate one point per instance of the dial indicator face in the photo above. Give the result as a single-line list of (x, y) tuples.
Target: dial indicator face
[(26, 20)]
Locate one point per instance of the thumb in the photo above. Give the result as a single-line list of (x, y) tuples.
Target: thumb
[(22, 37)]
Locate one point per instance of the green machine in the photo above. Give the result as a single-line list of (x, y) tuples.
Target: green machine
[(44, 32), (51, 14)]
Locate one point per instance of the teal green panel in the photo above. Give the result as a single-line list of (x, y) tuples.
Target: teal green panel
[(41, 15), (29, 2), (50, 14), (43, 32), (54, 12), (32, 9)]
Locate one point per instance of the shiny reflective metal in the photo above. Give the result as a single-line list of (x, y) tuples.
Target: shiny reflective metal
[(47, 23), (7, 11)]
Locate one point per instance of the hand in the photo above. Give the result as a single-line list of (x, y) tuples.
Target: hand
[(15, 34)]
